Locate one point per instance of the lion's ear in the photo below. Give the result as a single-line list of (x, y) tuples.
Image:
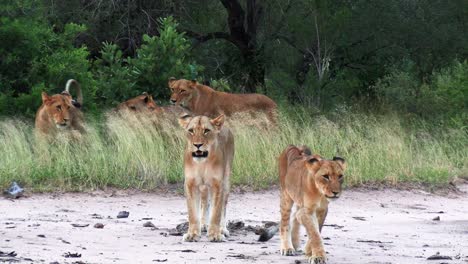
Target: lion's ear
[(340, 161), (184, 120), (171, 81), (218, 122), (45, 98), (193, 83), (146, 97)]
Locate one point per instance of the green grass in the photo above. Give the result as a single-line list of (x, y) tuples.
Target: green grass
[(134, 153)]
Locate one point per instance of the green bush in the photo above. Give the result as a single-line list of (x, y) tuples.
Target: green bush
[(161, 57), (441, 97), (114, 78), (38, 59)]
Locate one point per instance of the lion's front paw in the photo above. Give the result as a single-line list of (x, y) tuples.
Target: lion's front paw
[(191, 237), (288, 252), (218, 237), (317, 260)]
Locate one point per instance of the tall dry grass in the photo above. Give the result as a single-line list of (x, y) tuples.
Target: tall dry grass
[(139, 152)]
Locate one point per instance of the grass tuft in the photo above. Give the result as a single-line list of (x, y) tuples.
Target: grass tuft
[(138, 152)]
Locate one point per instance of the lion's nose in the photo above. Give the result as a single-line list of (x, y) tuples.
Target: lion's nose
[(336, 193), (198, 145), (173, 101)]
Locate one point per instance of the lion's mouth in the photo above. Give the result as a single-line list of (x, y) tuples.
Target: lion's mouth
[(61, 125), (200, 154)]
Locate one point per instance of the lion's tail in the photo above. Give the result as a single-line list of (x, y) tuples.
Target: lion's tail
[(79, 94)]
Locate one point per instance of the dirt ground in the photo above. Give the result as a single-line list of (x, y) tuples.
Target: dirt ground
[(363, 226)]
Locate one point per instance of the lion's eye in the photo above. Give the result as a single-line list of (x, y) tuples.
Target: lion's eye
[(206, 131), (190, 131), (340, 177), (59, 107), (326, 177), (182, 91)]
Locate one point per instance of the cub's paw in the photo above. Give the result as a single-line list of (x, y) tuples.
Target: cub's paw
[(190, 237), (288, 252), (317, 260), (216, 237), (226, 232)]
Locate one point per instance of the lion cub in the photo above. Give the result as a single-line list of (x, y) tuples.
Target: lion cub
[(310, 182), (207, 165)]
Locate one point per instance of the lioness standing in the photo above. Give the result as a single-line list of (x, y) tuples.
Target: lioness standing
[(203, 100), (207, 165), (308, 181)]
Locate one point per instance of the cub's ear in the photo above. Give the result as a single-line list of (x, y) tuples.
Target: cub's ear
[(340, 161), (184, 120), (313, 164), (171, 81), (218, 122), (45, 98)]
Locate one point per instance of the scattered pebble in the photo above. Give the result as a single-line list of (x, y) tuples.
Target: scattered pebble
[(123, 214), (72, 255), (148, 224), (437, 256), (437, 218), (99, 226), (80, 225)]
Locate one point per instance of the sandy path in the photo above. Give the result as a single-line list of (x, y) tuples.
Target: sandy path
[(400, 220)]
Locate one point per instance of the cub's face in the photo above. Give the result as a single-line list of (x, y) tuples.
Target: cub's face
[(328, 175), (141, 103), (181, 91), (201, 133), (59, 107)]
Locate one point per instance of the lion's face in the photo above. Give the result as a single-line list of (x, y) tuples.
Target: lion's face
[(181, 91), (58, 107), (202, 133), (328, 175), (141, 103)]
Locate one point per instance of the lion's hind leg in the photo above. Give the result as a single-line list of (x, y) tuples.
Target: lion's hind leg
[(295, 231)]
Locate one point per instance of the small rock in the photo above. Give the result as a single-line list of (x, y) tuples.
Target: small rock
[(99, 226), (437, 218), (183, 227), (437, 256), (148, 224), (72, 255), (80, 225), (14, 192), (123, 214), (43, 236)]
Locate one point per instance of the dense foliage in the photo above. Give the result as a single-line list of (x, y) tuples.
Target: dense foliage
[(410, 56)]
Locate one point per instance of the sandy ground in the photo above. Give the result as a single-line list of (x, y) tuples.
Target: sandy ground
[(363, 226)]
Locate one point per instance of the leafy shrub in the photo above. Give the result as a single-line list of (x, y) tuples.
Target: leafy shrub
[(38, 59), (442, 97), (114, 78), (161, 57)]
